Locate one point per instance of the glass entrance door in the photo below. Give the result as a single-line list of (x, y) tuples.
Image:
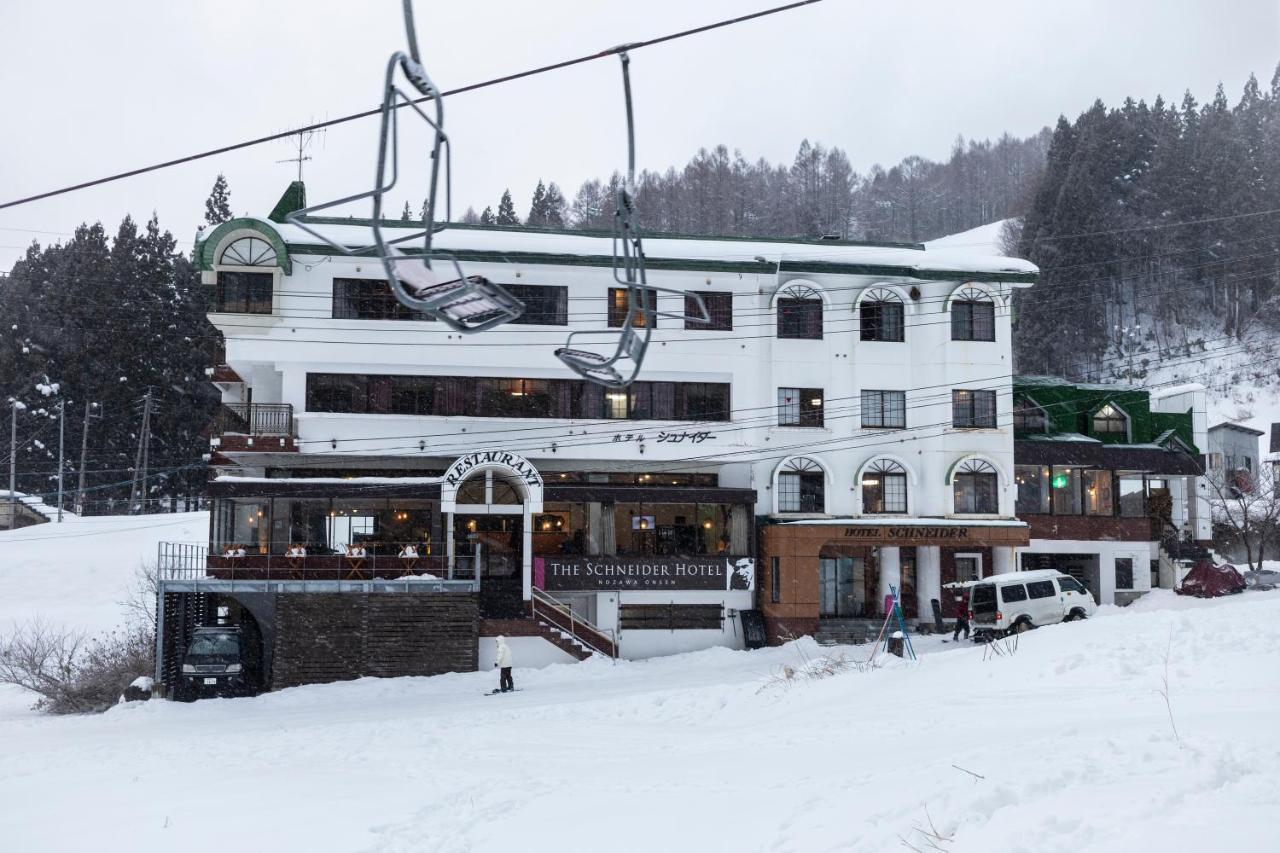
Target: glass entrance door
[(840, 587), (489, 547)]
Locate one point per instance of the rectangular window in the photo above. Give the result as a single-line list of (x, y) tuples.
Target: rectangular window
[(884, 409), (775, 579), (1033, 489), (800, 407), (719, 308), (1133, 496), (243, 292), (1124, 573), (800, 492), (800, 318), (1041, 589), (1098, 493), (976, 493), (493, 397), (973, 321), (1067, 497), (369, 299), (619, 301), (881, 321), (1013, 592), (884, 492), (544, 304), (973, 409)]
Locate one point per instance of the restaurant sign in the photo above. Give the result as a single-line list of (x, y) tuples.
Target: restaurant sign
[(644, 573), (509, 465)]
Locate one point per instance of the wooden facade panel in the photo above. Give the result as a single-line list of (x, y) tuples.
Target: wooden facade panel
[(323, 637), (1090, 527)]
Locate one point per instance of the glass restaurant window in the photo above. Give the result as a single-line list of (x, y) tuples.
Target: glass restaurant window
[(1133, 496), (800, 313), (1033, 489), (1067, 499), (1098, 493)]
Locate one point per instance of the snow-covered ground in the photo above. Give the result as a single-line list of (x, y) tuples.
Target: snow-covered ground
[(1065, 746)]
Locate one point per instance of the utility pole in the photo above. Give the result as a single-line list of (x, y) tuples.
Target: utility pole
[(84, 455), (13, 456), (140, 461), (62, 436)]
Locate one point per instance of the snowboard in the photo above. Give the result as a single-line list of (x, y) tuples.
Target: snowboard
[(495, 691)]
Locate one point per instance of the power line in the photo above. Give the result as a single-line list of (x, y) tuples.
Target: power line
[(369, 113)]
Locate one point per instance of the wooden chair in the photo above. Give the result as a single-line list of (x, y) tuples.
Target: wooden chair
[(355, 557)]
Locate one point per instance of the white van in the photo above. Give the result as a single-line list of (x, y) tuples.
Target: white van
[(1020, 601)]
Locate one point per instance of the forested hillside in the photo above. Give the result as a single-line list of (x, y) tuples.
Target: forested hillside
[(1157, 230)]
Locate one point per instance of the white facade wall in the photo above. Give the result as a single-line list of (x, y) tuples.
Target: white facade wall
[(274, 355), (1142, 553)]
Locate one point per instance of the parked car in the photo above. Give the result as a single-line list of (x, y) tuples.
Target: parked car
[(215, 665), (1020, 601)]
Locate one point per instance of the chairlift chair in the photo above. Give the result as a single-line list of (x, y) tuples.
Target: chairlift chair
[(465, 303)]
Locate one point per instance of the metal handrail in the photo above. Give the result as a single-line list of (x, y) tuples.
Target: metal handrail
[(564, 610), (257, 418), (181, 561)]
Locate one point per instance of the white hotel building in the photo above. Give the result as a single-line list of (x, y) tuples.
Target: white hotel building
[(841, 427)]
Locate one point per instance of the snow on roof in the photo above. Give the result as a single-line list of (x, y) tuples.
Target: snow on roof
[(228, 478), (1061, 436), (987, 239), (974, 260), (1236, 426), (1187, 388), (1058, 381)]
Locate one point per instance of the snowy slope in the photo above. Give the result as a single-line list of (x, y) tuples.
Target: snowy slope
[(75, 574), (1071, 740)]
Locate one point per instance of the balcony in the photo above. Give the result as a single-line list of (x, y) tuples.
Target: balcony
[(249, 427)]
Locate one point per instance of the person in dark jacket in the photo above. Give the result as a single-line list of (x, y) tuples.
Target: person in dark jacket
[(962, 617)]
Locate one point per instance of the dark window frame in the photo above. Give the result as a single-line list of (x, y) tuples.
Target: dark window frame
[(619, 301), (807, 415), (881, 412), (719, 304), (967, 413), (984, 492), (973, 320), (811, 486), (549, 304), (882, 321), (799, 318), (369, 299), (1125, 573), (255, 292)]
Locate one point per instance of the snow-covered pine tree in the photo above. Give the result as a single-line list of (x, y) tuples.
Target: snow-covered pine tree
[(538, 207), (486, 217), (406, 215), (217, 207), (506, 211), (555, 206)]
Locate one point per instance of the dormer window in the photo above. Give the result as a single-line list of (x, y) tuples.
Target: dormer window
[(245, 277), (1110, 421)]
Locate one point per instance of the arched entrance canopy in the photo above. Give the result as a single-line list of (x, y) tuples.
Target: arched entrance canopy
[(518, 470)]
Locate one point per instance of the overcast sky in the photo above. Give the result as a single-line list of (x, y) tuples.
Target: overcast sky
[(90, 88)]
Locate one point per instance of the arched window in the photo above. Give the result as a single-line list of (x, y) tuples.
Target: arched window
[(973, 316), (884, 487), (881, 316), (801, 486), (799, 310), (1110, 421), (242, 291), (1027, 416), (976, 487), (249, 252)]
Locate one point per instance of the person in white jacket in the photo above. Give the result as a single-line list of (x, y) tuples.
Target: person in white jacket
[(503, 663)]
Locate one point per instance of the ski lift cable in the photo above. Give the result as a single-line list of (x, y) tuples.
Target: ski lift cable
[(508, 78)]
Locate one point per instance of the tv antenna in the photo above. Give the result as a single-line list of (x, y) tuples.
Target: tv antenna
[(301, 142)]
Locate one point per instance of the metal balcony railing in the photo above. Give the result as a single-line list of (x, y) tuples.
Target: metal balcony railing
[(256, 419)]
